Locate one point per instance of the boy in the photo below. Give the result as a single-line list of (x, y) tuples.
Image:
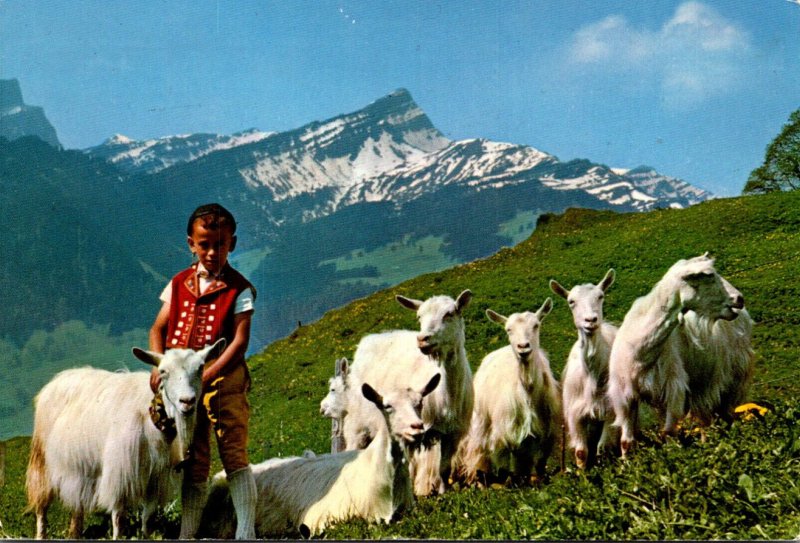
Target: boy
[(201, 304)]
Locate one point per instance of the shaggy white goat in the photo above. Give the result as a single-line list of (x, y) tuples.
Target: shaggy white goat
[(587, 412), (306, 495), (719, 360), (96, 446), (517, 414), (392, 360), (648, 361)]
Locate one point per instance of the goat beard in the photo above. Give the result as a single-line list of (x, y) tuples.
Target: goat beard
[(179, 448)]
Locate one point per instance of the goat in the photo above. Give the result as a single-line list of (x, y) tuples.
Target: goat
[(719, 360), (95, 441), (305, 495), (517, 413), (587, 413), (647, 361), (334, 404), (391, 359)]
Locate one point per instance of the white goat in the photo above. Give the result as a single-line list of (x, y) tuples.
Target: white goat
[(719, 360), (517, 414), (95, 444), (587, 412), (334, 404), (392, 360), (306, 495), (647, 359)]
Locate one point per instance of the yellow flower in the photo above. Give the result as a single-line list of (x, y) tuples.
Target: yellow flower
[(748, 411)]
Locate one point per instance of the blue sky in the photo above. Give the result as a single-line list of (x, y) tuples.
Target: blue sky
[(695, 89)]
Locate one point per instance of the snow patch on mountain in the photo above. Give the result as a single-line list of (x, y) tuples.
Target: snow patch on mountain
[(154, 155)]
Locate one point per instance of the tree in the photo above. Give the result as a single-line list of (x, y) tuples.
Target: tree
[(781, 168)]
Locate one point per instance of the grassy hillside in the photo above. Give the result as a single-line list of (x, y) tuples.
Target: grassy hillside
[(741, 483)]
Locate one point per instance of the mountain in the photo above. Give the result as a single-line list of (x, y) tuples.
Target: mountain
[(153, 155), (388, 151), (18, 119), (662, 187), (75, 257)]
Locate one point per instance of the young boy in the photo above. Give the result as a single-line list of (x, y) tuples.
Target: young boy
[(201, 304)]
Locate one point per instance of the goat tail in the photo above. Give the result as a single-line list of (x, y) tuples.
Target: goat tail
[(36, 484)]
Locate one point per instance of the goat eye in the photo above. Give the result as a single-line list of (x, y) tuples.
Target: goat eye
[(162, 373), (571, 303)]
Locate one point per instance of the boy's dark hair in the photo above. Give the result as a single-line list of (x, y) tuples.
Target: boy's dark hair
[(221, 216)]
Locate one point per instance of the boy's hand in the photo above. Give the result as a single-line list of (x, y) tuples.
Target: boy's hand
[(155, 380)]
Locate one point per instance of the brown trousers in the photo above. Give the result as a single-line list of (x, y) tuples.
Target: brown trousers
[(224, 407)]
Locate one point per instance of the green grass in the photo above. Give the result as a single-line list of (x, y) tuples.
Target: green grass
[(520, 226), (396, 261), (740, 484)]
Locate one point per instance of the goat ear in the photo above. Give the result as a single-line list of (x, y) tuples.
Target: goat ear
[(558, 289), (608, 280), (213, 351), (408, 303), (148, 357), (372, 395), (463, 300), (496, 317), (547, 306), (432, 384), (341, 367)]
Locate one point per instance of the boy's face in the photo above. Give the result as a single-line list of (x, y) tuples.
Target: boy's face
[(211, 245)]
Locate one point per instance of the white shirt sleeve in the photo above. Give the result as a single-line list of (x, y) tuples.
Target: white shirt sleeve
[(166, 294), (244, 302)]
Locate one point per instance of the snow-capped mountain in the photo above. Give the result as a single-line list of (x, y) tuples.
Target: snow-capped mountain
[(476, 164), (679, 192), (333, 156), (641, 188), (389, 151), (154, 155), (18, 119)]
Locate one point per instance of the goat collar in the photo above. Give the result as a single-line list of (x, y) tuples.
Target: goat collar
[(160, 419), (178, 458)]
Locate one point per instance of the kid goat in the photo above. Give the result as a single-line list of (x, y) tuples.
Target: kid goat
[(393, 360), (587, 412), (96, 444), (517, 411), (649, 359), (306, 495)]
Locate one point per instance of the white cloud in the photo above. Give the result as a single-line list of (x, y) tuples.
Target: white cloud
[(695, 55)]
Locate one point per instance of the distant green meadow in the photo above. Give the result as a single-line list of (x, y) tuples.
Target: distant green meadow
[(741, 483)]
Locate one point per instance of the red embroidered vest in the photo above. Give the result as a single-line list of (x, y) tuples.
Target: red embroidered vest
[(197, 321)]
